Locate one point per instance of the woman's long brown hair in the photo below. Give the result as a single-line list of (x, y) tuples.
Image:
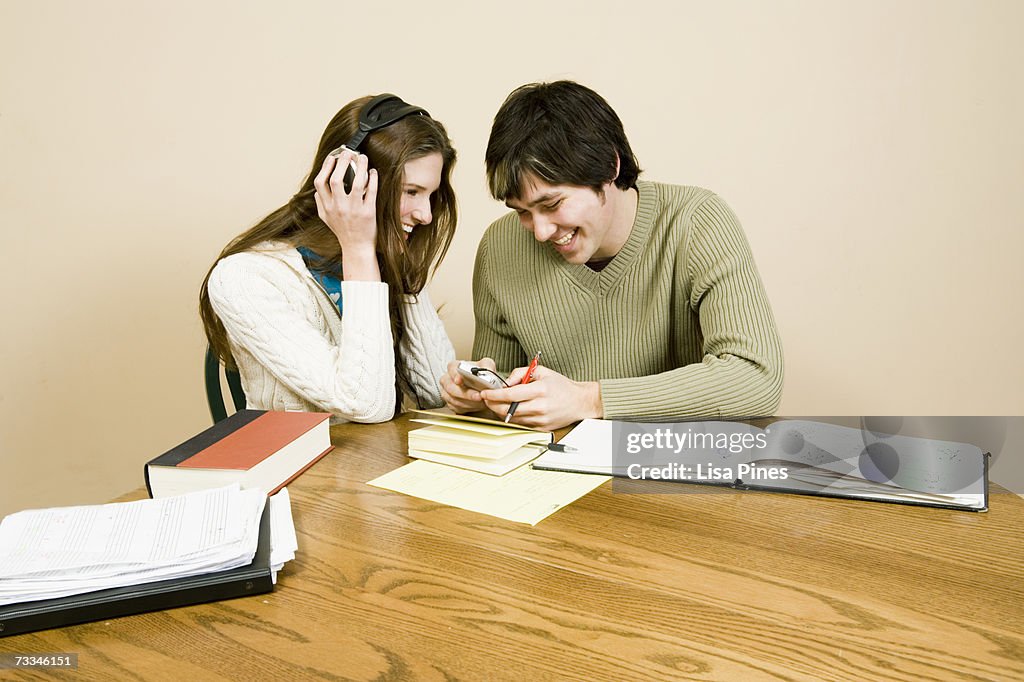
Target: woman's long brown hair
[(405, 266)]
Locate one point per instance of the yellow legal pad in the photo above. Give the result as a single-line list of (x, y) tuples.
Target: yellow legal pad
[(524, 495)]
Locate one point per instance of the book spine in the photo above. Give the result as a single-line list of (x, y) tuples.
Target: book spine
[(207, 438)]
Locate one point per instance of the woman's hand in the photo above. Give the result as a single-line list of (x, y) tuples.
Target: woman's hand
[(351, 216)]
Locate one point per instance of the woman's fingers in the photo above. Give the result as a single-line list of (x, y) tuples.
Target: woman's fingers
[(371, 191), (345, 161), (320, 182)]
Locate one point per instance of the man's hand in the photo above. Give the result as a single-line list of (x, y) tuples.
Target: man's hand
[(459, 397), (550, 401)]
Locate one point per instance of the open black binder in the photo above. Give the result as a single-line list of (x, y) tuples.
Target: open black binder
[(256, 578)]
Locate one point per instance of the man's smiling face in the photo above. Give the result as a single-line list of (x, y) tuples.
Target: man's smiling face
[(576, 221)]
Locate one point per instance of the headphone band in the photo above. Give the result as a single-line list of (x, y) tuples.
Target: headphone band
[(380, 112)]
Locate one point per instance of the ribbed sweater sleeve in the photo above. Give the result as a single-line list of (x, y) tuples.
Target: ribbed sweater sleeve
[(426, 349), (266, 317)]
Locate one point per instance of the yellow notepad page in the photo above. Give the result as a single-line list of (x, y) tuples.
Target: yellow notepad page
[(524, 495)]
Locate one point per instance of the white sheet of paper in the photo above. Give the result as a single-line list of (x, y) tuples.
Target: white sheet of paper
[(283, 541), (592, 439)]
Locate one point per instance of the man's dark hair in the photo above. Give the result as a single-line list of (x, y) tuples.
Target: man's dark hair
[(561, 132)]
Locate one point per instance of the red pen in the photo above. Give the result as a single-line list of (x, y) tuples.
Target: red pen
[(526, 380)]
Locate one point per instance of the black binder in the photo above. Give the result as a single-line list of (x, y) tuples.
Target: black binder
[(255, 578)]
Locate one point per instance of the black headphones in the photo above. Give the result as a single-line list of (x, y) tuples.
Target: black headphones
[(380, 112)]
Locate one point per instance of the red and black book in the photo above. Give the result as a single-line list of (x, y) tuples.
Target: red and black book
[(255, 448)]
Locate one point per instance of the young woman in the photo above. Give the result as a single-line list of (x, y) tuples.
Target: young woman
[(321, 304)]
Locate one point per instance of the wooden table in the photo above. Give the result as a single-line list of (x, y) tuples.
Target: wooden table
[(708, 584)]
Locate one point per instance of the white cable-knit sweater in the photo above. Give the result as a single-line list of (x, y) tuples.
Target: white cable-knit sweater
[(295, 352)]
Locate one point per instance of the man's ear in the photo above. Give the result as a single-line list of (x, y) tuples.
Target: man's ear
[(618, 167)]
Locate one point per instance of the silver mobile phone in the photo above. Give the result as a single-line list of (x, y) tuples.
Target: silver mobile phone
[(480, 378)]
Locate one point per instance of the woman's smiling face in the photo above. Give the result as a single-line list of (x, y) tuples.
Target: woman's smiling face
[(421, 178)]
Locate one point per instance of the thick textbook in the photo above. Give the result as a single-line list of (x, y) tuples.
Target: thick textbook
[(474, 443), (256, 578), (790, 455), (255, 448)]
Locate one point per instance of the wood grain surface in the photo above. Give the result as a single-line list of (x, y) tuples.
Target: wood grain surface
[(675, 582)]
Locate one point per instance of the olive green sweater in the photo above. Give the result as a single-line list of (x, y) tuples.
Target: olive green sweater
[(676, 326)]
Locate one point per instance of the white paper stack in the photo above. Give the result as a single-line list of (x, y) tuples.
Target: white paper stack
[(283, 542), (48, 553)]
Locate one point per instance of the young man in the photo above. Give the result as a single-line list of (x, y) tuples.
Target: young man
[(642, 297)]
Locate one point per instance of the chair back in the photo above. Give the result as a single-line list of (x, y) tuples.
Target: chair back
[(214, 395)]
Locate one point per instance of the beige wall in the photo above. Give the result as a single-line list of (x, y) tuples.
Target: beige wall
[(873, 150)]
